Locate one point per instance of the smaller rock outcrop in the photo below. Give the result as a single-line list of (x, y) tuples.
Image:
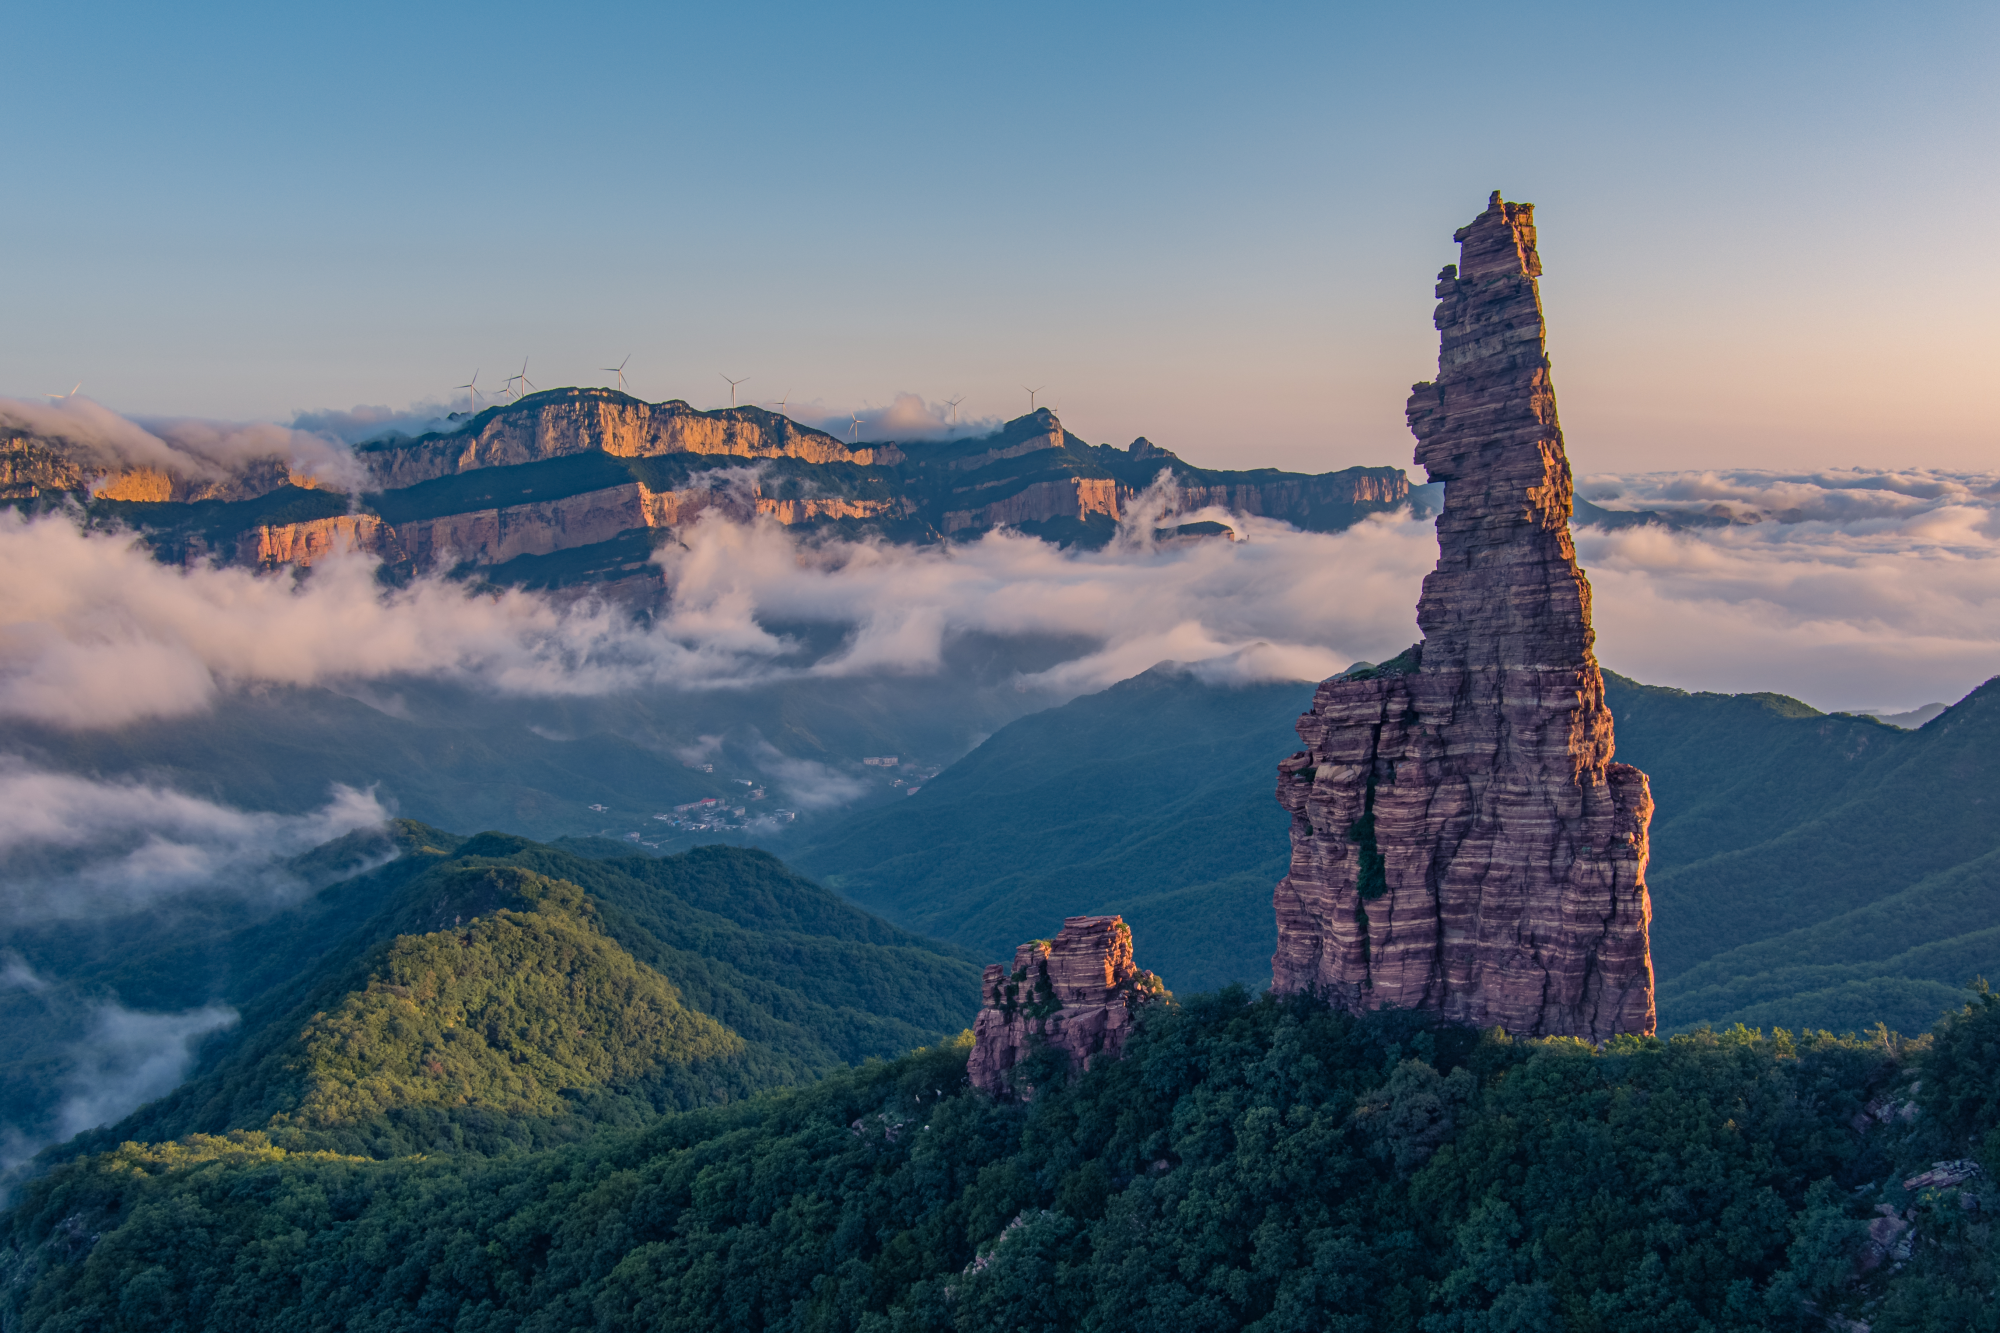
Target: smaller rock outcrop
[(1077, 994)]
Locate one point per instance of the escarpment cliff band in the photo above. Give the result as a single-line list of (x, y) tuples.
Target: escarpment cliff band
[(568, 469), (1076, 995), (1461, 839), (559, 422)]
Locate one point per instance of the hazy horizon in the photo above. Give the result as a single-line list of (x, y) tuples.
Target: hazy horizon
[(1764, 232)]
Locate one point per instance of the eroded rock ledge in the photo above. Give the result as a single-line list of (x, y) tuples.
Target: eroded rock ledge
[(1461, 839), (1076, 994)]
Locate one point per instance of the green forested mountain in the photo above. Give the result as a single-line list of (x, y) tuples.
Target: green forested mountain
[(1151, 799), (1816, 870), (1262, 1165), (1808, 869), (491, 991)]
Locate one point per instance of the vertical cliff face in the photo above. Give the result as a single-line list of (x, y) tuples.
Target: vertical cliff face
[(1076, 994), (559, 422), (1461, 840)]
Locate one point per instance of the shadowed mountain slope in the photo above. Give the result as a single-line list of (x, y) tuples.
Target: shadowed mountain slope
[(1150, 800), (1809, 869), (1813, 869)]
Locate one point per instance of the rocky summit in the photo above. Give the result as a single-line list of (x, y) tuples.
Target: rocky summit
[(1076, 994), (1461, 840)]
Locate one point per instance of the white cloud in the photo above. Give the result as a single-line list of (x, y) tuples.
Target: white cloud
[(129, 1059), (908, 416), (1848, 588), (15, 974), (75, 847), (365, 422), (701, 750), (94, 633), (1859, 590), (186, 447), (807, 783)]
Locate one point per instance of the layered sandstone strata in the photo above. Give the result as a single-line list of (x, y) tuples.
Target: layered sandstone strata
[(560, 422), (494, 536), (314, 540), (1067, 497), (1076, 994), (34, 465), (1461, 839)]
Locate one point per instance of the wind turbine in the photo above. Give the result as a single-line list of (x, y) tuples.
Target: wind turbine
[(1031, 396), (732, 386), (953, 403), (854, 431), (472, 384), (64, 397), (619, 371)]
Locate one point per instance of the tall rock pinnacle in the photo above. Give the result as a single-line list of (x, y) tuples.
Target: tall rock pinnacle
[(1461, 840)]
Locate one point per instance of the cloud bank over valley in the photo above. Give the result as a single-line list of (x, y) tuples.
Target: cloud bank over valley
[(1848, 589), (78, 848), (1851, 589)]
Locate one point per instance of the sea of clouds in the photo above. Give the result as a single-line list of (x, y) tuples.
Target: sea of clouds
[(1850, 588)]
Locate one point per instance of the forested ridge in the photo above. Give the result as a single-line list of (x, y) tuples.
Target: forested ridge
[(493, 994), (1251, 1164), (1814, 869)]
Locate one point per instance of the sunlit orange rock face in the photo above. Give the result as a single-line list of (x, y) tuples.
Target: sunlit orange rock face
[(311, 541), (1461, 839), (574, 421), (1077, 994)]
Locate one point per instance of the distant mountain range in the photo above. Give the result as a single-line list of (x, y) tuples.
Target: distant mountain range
[(575, 486)]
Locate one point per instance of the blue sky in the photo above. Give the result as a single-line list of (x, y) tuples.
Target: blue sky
[(1766, 227)]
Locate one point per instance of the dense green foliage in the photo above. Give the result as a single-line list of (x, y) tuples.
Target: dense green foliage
[(780, 960), (505, 1013), (1816, 870), (1151, 799), (678, 981), (1265, 1164)]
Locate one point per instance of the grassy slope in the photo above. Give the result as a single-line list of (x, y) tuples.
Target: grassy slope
[(510, 1011), (1151, 799)]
